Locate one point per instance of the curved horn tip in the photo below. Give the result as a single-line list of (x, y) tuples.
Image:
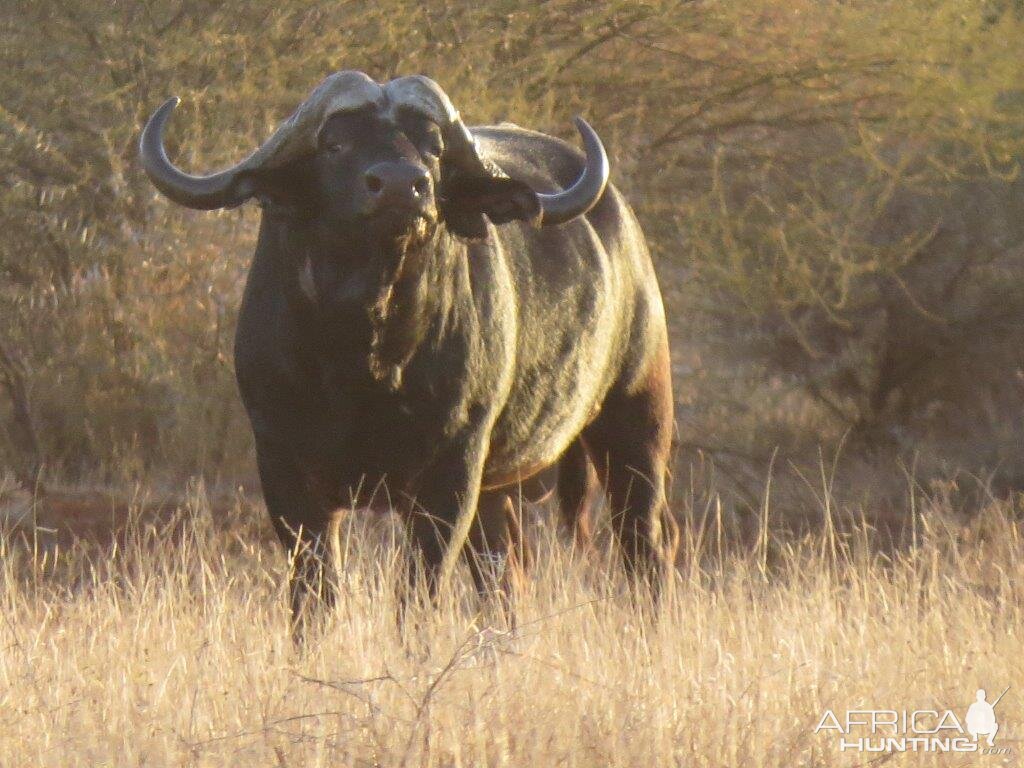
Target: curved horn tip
[(157, 120), (204, 193), (587, 190), (593, 145), (582, 125), (164, 111)]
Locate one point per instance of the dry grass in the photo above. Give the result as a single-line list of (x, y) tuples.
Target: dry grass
[(157, 654)]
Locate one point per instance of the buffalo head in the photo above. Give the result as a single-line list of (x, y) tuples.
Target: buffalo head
[(389, 161)]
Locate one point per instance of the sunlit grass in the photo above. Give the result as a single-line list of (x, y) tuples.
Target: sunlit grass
[(174, 650)]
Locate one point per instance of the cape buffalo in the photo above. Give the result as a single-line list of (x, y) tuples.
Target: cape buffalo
[(434, 314)]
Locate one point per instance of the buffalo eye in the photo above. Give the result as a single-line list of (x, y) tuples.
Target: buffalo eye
[(432, 141), (425, 135)]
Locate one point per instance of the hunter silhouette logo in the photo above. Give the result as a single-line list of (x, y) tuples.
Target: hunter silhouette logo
[(919, 730), (981, 717)]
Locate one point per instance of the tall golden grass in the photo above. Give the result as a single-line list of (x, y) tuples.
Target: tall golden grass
[(171, 648)]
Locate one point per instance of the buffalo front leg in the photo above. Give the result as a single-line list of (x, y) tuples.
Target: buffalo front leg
[(302, 525), (497, 554), (442, 513)]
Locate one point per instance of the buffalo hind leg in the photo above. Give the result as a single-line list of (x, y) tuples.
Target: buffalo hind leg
[(579, 488), (630, 442)]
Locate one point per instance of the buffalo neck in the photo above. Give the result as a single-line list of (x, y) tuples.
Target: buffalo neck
[(371, 305)]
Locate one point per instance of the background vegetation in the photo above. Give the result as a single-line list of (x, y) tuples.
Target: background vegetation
[(832, 192)]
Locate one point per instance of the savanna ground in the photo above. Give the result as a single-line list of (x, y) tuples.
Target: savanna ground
[(169, 646), (833, 196)]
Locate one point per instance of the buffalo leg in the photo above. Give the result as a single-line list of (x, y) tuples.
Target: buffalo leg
[(302, 525), (578, 491), (630, 441), (443, 511), (496, 554)]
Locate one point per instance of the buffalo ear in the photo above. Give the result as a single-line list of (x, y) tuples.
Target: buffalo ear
[(283, 192), (466, 200)]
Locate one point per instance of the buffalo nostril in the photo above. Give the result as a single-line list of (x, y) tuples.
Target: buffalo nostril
[(421, 186), (374, 183)]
